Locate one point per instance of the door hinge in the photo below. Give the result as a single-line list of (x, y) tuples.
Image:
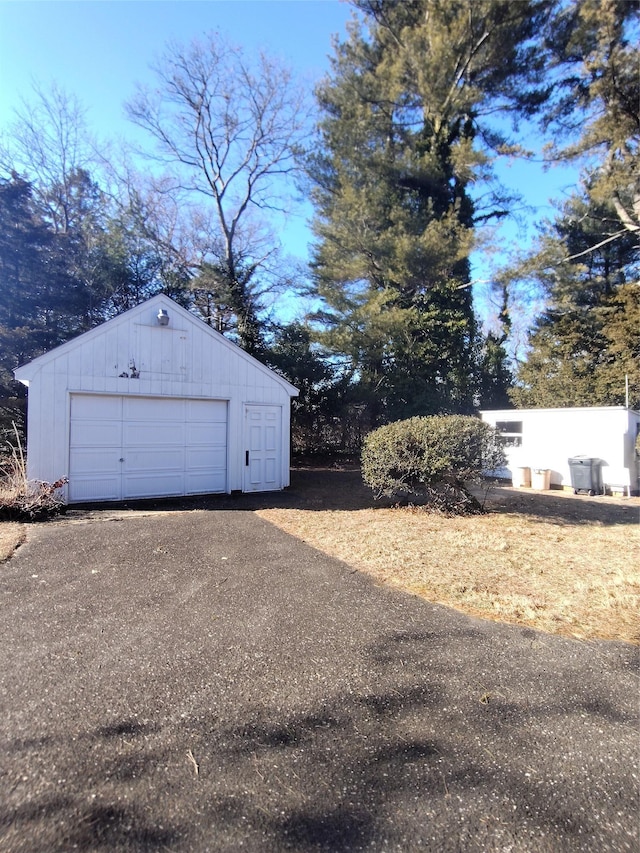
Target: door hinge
[(246, 457)]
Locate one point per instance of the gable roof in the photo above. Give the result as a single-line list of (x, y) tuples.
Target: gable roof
[(27, 371)]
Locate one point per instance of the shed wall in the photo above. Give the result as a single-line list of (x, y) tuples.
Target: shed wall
[(550, 437)]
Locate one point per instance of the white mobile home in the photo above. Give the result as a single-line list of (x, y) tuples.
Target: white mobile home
[(155, 403), (545, 439)]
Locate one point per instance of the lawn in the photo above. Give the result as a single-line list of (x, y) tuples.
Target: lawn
[(567, 564)]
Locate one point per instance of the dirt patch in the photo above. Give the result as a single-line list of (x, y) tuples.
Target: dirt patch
[(562, 563)]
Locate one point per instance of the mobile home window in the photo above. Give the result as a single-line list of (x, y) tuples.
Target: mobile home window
[(511, 433)]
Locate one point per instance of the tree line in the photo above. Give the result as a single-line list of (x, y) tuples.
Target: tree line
[(397, 154)]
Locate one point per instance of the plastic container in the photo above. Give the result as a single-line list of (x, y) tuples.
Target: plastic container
[(541, 479), (522, 478), (586, 475)]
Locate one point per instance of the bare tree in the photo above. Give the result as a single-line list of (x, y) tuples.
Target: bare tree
[(226, 129), (48, 144)]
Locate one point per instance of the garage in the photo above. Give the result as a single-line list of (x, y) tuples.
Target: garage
[(141, 447), (155, 403)]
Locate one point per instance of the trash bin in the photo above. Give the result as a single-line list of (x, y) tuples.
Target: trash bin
[(522, 478), (541, 479), (586, 475)]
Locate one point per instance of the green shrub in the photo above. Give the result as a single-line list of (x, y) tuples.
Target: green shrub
[(431, 457)]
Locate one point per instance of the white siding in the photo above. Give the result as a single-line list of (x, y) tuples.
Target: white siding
[(550, 437), (132, 356)]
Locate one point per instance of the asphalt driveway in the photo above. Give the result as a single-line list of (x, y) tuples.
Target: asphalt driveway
[(199, 680)]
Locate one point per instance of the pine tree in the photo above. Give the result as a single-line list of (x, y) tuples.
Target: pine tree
[(402, 137), (588, 338), (32, 273), (594, 111)]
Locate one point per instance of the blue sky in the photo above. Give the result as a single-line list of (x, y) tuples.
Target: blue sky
[(98, 50)]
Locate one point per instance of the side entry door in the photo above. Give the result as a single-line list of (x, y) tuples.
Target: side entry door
[(263, 448)]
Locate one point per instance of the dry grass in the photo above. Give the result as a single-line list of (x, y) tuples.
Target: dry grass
[(12, 534), (21, 498), (553, 561)]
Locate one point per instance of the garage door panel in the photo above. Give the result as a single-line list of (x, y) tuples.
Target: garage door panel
[(171, 459), (207, 434), (95, 461), (96, 433), (153, 409), (211, 411), (152, 485), (94, 488), (153, 434), (206, 458), (205, 482), (96, 407)]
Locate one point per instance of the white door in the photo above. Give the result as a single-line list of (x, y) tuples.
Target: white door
[(139, 447), (263, 448)]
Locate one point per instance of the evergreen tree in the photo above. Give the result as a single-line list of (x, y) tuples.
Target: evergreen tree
[(293, 355), (588, 338), (130, 262), (34, 270), (49, 146), (586, 343), (495, 377), (403, 136), (32, 275), (594, 111), (79, 225)]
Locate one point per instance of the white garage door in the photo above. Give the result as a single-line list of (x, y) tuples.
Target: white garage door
[(142, 447)]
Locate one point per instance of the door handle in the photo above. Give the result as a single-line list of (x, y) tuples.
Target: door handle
[(246, 457)]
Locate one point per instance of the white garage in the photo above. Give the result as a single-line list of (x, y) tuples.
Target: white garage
[(154, 403)]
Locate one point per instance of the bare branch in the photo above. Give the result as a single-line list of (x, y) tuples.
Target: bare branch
[(226, 128), (597, 246)]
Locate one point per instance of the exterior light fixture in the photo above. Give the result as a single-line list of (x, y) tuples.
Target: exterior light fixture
[(163, 317)]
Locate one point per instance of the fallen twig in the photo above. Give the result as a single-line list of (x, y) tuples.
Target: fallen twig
[(196, 768)]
